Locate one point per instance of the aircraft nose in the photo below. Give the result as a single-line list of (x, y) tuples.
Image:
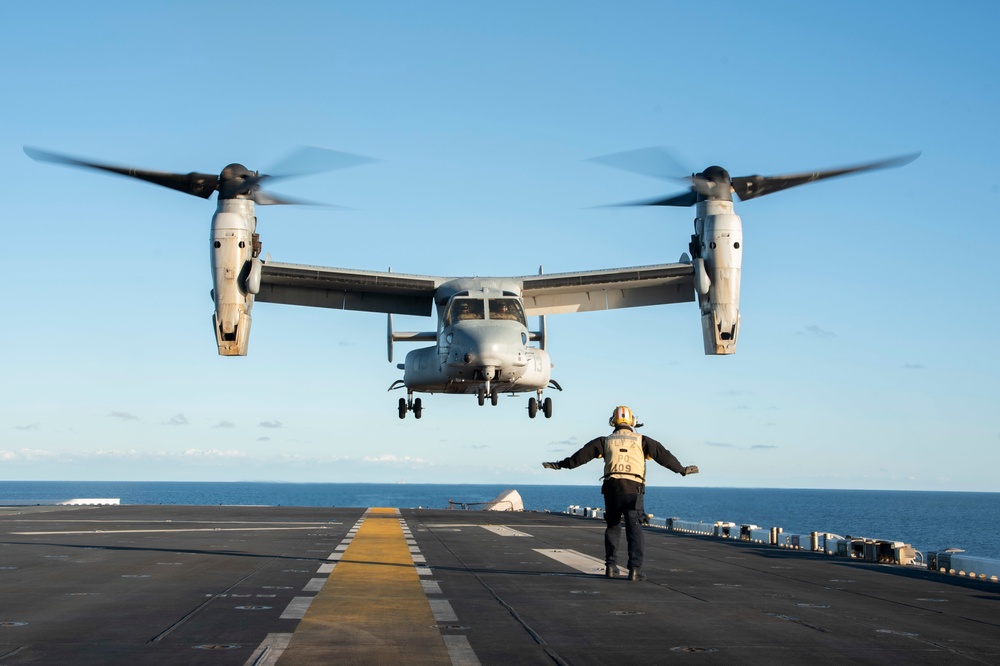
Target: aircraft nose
[(486, 347)]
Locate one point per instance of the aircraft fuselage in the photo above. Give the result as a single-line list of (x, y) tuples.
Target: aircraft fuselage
[(482, 346)]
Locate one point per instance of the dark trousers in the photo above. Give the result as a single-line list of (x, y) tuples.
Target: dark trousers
[(617, 507)]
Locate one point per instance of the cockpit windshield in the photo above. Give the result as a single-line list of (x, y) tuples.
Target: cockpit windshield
[(463, 309), (507, 308)]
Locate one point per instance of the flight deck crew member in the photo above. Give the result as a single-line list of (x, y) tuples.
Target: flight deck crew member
[(625, 453)]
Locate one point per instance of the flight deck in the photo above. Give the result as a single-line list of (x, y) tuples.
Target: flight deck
[(284, 585)]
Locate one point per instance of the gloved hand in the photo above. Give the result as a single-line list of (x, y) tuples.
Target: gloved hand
[(690, 469), (550, 465)]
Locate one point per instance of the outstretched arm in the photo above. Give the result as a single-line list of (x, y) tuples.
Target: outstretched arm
[(592, 449), (656, 452)]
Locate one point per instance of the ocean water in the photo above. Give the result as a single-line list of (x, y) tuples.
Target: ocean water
[(928, 521)]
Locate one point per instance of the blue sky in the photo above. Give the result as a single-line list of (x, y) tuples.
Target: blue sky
[(867, 354)]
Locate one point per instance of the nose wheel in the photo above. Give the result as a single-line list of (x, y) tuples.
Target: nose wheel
[(493, 394), (409, 404)]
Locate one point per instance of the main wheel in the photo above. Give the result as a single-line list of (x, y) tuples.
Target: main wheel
[(494, 397), (402, 408), (418, 408), (532, 407), (481, 394), (547, 408)]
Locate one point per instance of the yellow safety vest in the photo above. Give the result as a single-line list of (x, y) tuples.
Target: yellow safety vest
[(623, 456)]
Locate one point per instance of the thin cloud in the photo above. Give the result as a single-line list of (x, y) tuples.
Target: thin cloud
[(177, 420), (389, 458), (123, 416), (30, 426), (564, 444), (224, 424), (27, 455), (271, 424), (752, 447), (213, 453), (817, 332), (914, 366)]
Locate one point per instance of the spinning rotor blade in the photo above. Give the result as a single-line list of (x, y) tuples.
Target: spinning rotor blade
[(715, 183), (235, 181), (684, 199), (654, 161), (751, 187), (309, 160), (199, 184)]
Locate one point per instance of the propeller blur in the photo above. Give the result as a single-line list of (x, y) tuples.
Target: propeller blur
[(481, 344)]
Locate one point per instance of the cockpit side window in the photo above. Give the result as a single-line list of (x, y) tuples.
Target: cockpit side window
[(462, 309), (507, 309)]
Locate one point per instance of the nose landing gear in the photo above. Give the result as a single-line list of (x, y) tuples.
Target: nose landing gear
[(409, 404), (494, 395)]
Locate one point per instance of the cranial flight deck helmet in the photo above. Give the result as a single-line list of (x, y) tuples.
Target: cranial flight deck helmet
[(622, 416)]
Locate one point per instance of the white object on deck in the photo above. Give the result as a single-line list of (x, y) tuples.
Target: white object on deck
[(508, 500), (83, 501)]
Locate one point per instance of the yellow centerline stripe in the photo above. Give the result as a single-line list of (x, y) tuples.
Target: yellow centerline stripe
[(373, 608)]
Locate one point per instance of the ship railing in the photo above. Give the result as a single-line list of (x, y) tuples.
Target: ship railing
[(503, 505), (882, 551)]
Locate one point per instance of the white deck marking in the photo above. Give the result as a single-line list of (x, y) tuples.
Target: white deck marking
[(459, 650), (442, 610), (326, 568), (297, 607), (424, 571), (431, 586), (503, 530), (269, 651), (193, 529), (314, 585), (573, 559)]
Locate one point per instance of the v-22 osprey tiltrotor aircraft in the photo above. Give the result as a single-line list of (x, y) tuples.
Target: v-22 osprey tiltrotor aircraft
[(482, 343)]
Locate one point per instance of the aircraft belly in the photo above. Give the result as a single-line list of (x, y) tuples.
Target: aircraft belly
[(427, 372)]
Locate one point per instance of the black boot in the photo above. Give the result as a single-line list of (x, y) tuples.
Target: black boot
[(611, 570), (635, 575)]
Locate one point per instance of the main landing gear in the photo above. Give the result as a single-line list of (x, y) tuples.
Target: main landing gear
[(409, 404), (535, 403)]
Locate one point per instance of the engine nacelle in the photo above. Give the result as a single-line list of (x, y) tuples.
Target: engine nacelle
[(233, 264), (720, 234)]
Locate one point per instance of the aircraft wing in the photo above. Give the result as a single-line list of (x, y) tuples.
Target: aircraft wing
[(347, 289), (607, 289)]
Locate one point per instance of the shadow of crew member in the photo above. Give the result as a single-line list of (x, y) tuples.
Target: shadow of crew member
[(625, 453)]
